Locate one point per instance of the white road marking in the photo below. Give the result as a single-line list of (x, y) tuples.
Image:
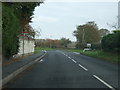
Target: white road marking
[(73, 60), (69, 57), (83, 67), (103, 82), (76, 52), (41, 60)]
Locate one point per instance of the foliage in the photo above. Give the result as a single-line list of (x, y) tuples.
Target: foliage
[(111, 42), (90, 32), (103, 32), (111, 57), (52, 43), (15, 16), (87, 33), (64, 42), (11, 27)]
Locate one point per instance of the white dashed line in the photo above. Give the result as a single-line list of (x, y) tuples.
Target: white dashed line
[(103, 82), (73, 60), (83, 67), (87, 70), (69, 57)]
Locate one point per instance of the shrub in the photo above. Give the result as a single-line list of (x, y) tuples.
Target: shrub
[(111, 42)]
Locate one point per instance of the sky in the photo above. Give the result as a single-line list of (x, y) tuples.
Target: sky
[(59, 19)]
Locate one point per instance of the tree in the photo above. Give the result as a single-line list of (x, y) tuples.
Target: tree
[(64, 42), (103, 32), (15, 16), (87, 33), (116, 24)]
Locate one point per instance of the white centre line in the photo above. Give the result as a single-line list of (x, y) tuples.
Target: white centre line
[(69, 57), (83, 67), (73, 60), (103, 82)]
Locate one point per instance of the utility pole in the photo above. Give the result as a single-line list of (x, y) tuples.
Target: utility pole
[(83, 38)]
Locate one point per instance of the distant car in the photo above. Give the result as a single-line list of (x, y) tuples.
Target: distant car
[(87, 49)]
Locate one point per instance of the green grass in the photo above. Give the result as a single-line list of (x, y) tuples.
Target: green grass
[(112, 57), (38, 49)]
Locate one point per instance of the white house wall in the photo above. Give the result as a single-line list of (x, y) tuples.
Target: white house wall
[(28, 46)]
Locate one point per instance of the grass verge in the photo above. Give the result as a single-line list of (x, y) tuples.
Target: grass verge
[(38, 49), (112, 57)]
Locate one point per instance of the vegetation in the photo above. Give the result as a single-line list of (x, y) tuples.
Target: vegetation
[(64, 42), (38, 49), (111, 57), (11, 29), (103, 32), (87, 33), (14, 16), (111, 42)]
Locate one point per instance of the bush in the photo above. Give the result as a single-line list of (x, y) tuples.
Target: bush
[(111, 42), (80, 46), (96, 46)]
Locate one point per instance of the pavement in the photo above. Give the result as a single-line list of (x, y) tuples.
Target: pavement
[(60, 69), (11, 70)]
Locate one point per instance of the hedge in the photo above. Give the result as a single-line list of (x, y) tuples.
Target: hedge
[(111, 42)]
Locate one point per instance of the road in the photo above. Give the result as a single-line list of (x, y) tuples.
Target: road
[(61, 69)]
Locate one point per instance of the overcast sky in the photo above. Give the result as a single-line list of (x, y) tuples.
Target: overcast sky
[(59, 19)]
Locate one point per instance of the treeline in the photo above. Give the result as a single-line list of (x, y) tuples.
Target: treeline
[(62, 43), (99, 38), (15, 15)]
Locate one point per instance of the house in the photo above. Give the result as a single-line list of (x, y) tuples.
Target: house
[(26, 41)]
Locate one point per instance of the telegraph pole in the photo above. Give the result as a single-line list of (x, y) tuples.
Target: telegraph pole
[(83, 38)]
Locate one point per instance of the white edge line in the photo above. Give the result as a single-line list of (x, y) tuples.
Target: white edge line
[(103, 82), (83, 67)]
